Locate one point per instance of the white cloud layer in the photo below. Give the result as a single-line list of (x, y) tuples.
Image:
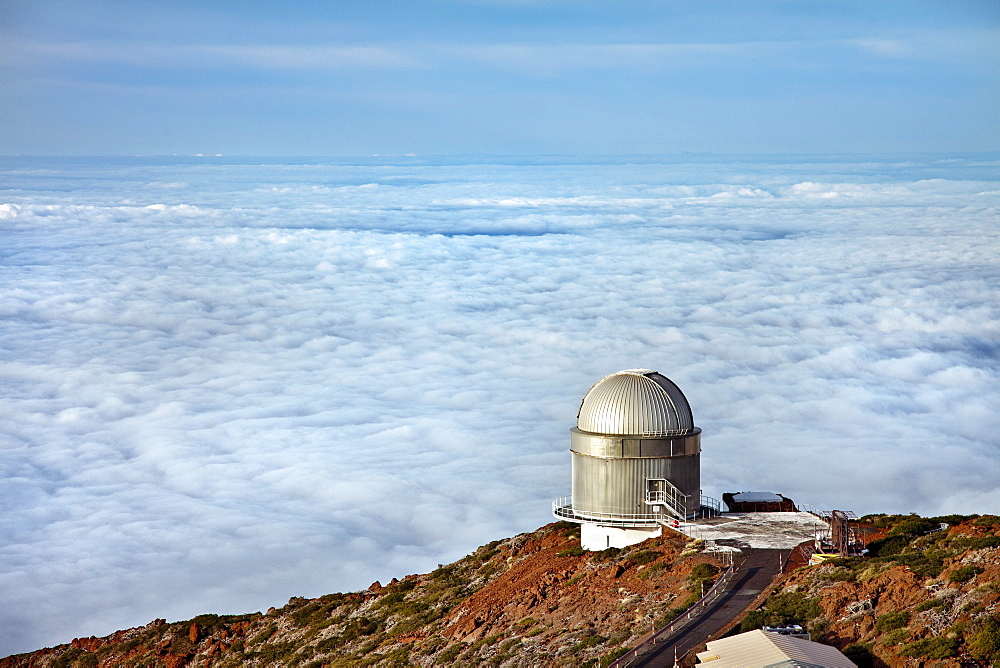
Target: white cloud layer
[(227, 384)]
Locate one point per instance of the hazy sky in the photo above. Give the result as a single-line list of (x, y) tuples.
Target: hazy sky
[(517, 77)]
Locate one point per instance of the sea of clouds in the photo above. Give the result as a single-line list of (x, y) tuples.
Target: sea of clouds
[(228, 382)]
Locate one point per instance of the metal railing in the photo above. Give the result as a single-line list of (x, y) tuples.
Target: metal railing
[(678, 622), (710, 507), (563, 509), (661, 492)]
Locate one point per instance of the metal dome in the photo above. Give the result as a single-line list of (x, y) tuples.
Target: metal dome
[(635, 402)]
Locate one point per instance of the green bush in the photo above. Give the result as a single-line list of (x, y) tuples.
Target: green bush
[(860, 654), (925, 564), (442, 572), (931, 648), (359, 626), (610, 657), (931, 603), (984, 644), (979, 543), (703, 571), (329, 644), (567, 529), (782, 610), (563, 525), (390, 599), (953, 520), (275, 653), (914, 526), (892, 620), (895, 637), (624, 633), (66, 659), (589, 641), (604, 555), (264, 635), (397, 657), (792, 608), (837, 574), (753, 620), (653, 571), (888, 546), (447, 657), (575, 551), (964, 573), (645, 556)]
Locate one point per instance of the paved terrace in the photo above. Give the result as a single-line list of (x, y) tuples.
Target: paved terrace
[(767, 531), (764, 541)]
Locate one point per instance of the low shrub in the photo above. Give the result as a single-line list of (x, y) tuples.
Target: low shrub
[(860, 654), (892, 620), (610, 657), (653, 571), (605, 555), (359, 626), (923, 564), (964, 573), (645, 556), (895, 637), (837, 574), (390, 599), (931, 648), (782, 610), (914, 526), (589, 641), (981, 542), (931, 604), (953, 520), (447, 657), (888, 546), (984, 644), (575, 551)]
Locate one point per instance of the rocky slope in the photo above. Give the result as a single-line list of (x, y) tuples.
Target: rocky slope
[(928, 595), (535, 599)]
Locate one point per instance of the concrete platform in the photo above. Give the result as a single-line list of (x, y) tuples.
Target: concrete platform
[(770, 531)]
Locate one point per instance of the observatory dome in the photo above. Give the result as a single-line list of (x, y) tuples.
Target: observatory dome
[(635, 402)]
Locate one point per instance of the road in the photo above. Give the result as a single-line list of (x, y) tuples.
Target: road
[(752, 576)]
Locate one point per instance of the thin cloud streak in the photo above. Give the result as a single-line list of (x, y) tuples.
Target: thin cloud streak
[(944, 45)]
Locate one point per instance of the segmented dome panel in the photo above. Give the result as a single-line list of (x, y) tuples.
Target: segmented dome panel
[(635, 402)]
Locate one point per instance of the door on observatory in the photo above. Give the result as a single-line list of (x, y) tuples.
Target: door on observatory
[(664, 496), (656, 490)]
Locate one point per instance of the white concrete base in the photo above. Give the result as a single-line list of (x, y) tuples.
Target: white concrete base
[(596, 537)]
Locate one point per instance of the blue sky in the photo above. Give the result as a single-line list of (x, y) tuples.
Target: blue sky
[(360, 78)]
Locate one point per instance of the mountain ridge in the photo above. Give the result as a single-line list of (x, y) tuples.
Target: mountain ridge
[(925, 596)]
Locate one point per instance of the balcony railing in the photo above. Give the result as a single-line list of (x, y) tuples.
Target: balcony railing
[(563, 509)]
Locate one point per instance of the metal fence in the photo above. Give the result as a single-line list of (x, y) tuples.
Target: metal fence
[(680, 621)]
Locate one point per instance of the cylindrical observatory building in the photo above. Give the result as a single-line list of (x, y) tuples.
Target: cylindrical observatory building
[(636, 460)]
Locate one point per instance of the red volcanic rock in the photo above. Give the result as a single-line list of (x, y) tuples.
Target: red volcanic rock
[(90, 644)]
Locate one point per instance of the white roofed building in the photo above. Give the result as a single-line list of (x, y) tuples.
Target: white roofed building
[(759, 649)]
